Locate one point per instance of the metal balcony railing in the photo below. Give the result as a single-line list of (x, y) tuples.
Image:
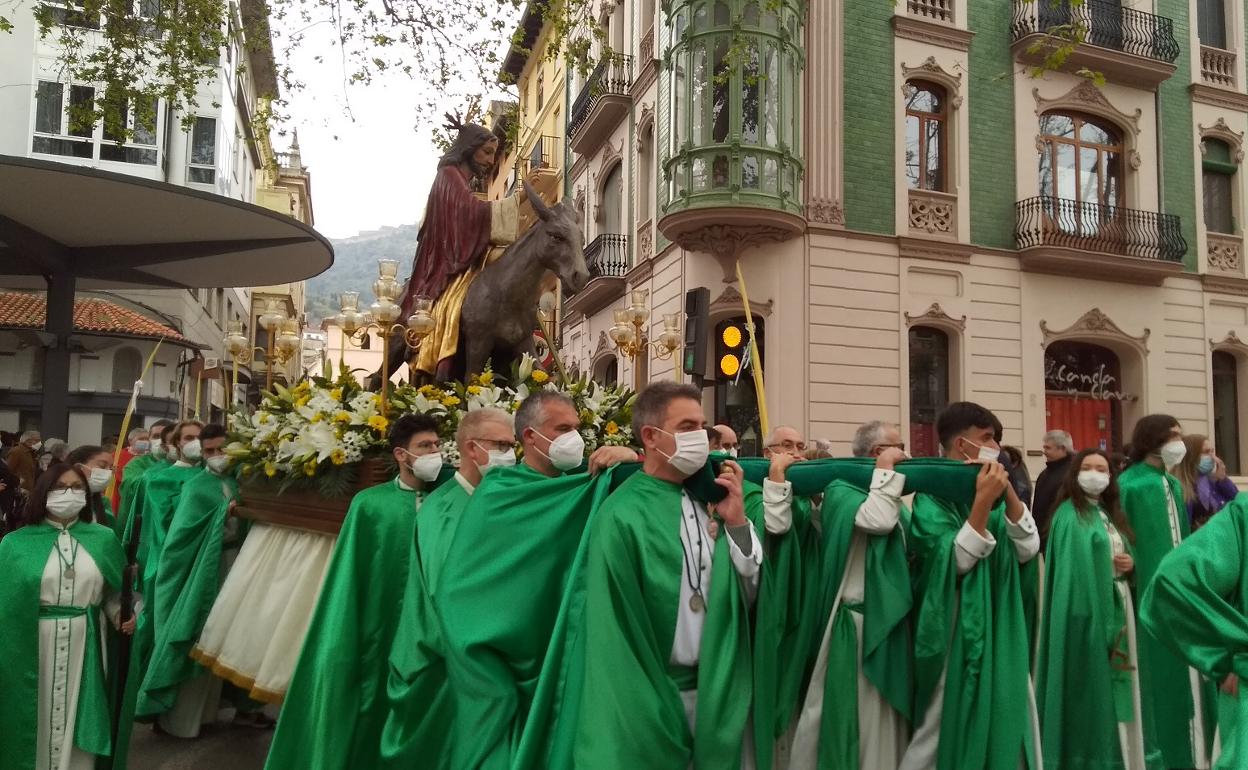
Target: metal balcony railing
[(1049, 221), (1103, 23), (545, 153), (607, 256), (613, 75)]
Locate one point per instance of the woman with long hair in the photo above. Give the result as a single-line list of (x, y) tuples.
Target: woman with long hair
[(96, 463), (61, 571), (1203, 478), (1087, 685)]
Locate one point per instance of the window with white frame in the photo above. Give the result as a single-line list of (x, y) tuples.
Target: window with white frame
[(69, 14), (203, 165), (63, 115), (130, 132)]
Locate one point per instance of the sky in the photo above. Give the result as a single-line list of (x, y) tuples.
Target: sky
[(370, 164)]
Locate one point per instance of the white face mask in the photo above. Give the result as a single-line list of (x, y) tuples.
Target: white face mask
[(141, 447), (192, 450), (158, 450), (35, 447), (732, 452), (1093, 482), (99, 478), (217, 464), (566, 451), (1172, 453), (499, 458), (427, 467), (692, 449), (990, 454), (66, 503)]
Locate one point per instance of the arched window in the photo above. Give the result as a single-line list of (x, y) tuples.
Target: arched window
[(1080, 160), (1218, 175), (1226, 409), (929, 387), (610, 201), (607, 371), (127, 366), (927, 130)]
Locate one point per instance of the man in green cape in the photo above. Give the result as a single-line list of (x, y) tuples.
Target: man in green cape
[(866, 601), (419, 727), (1153, 501), (130, 478), (974, 702), (335, 707), (1197, 605), (668, 670), (192, 565), (158, 497), (501, 589)]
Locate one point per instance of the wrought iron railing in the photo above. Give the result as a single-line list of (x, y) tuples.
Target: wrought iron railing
[(613, 75), (545, 153), (607, 256), (1049, 221), (1102, 23)]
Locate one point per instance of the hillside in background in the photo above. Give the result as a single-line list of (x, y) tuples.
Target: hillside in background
[(355, 268)]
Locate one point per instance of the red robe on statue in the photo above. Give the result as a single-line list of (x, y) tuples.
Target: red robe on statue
[(453, 237)]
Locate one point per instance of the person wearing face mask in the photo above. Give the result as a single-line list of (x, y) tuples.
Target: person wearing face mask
[(1090, 705), (199, 548), (549, 431), (972, 564), (335, 708), (129, 487), (421, 708), (1202, 475), (1152, 498), (666, 626), (728, 441), (62, 577), (138, 443), (158, 498), (864, 561), (96, 463), (23, 459)]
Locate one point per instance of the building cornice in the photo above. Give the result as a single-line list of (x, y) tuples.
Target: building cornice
[(943, 35)]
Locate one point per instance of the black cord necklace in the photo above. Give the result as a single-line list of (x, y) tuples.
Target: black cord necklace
[(697, 602)]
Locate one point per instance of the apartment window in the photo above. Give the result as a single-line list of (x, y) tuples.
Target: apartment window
[(127, 367), (70, 14), (541, 89), (1226, 409), (1080, 160), (929, 387), (60, 114), (1211, 22), (138, 118), (203, 168), (1218, 176), (926, 135)]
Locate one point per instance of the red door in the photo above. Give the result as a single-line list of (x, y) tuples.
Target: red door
[(1089, 421)]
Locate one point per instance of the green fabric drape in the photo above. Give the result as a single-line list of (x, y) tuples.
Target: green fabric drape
[(1197, 606), (335, 707), (156, 502), (131, 483), (187, 580), (986, 718), (1164, 677), (24, 554)]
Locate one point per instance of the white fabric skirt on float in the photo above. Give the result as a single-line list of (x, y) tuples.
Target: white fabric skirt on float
[(256, 628)]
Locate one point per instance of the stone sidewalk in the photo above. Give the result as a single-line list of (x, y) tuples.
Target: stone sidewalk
[(220, 746)]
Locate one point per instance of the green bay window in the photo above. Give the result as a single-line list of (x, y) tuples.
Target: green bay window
[(730, 105)]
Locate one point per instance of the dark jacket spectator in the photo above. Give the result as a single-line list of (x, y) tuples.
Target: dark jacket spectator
[(1058, 451), (24, 461)]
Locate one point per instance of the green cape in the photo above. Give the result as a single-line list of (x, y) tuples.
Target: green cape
[(986, 718), (335, 707), (1197, 605), (24, 554), (156, 502), (1079, 692), (131, 476), (187, 580), (421, 716), (1164, 678)]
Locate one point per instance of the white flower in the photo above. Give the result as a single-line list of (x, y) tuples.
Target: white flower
[(526, 367)]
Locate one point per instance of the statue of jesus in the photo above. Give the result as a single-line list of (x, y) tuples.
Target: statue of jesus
[(455, 244)]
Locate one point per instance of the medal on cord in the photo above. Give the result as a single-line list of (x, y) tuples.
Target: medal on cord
[(697, 602), (73, 557)]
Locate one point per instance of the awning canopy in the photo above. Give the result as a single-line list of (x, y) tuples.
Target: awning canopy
[(114, 231)]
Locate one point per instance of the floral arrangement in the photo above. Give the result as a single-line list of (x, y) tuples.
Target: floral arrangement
[(313, 433)]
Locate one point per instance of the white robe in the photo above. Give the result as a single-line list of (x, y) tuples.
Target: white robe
[(1196, 727), (1130, 734)]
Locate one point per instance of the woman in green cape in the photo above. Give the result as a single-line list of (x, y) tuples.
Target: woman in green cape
[(1087, 681), (61, 571), (96, 464)]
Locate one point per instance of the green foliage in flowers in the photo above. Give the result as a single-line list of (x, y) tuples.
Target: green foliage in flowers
[(314, 434)]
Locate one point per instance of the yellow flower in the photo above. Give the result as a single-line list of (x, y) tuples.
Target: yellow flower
[(474, 390), (338, 457), (378, 423), (302, 400), (317, 417), (309, 468), (245, 470), (428, 391), (450, 401), (486, 378), (264, 417), (539, 376), (342, 416), (612, 428), (270, 469), (336, 394)]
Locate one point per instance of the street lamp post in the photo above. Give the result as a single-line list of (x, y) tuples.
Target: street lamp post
[(284, 343), (630, 339)]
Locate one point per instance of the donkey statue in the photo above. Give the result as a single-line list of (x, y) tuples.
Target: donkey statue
[(499, 313)]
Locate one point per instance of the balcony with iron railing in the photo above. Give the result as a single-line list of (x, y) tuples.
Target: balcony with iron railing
[(602, 104), (608, 260), (1074, 238), (1126, 45)]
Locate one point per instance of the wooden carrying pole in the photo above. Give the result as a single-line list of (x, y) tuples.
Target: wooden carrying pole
[(757, 364)]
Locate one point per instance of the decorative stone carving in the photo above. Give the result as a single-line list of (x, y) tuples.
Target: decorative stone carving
[(932, 71), (1225, 253), (1134, 160), (936, 315), (1231, 341), (645, 242), (1094, 324), (644, 121), (933, 213), (604, 346), (725, 242), (647, 46), (729, 303), (1221, 131), (825, 211), (1086, 97)]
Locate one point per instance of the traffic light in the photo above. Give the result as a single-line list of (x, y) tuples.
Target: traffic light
[(732, 344), (697, 312)]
